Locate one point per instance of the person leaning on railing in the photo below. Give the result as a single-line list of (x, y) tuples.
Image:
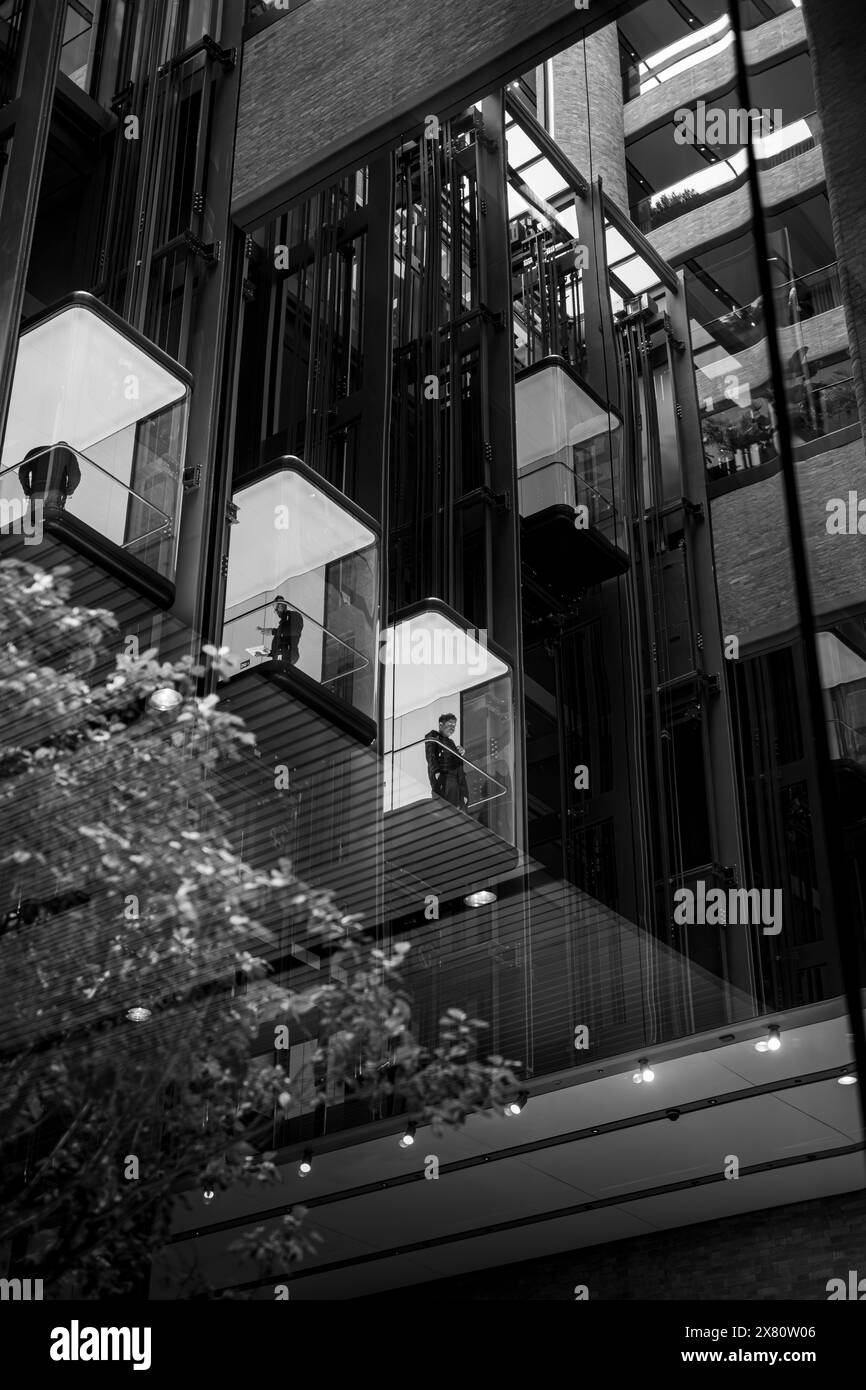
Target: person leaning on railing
[(286, 637), (445, 766), (49, 473)]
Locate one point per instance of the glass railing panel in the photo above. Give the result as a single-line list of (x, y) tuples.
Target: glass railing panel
[(548, 483), (847, 741), (52, 483), (429, 769), (334, 656), (552, 483)]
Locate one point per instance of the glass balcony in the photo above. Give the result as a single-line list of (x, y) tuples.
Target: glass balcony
[(97, 434), (304, 643), (54, 484), (302, 590), (448, 750), (568, 459)]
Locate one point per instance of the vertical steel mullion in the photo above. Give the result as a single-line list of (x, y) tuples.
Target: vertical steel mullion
[(829, 839), (150, 134)]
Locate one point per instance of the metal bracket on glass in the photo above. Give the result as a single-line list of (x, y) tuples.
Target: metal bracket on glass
[(209, 251), (492, 316), (695, 509), (711, 684), (191, 477), (500, 501), (232, 513), (495, 317), (226, 57), (248, 291)]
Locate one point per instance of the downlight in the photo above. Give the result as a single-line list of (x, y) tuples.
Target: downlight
[(164, 700), (772, 1042), (515, 1106), (408, 1138), (306, 1164), (483, 898), (138, 1015), (644, 1072), (848, 1079)]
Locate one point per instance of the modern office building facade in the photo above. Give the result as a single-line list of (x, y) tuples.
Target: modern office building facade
[(488, 347)]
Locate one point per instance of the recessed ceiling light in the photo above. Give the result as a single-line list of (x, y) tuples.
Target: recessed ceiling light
[(164, 699), (848, 1080), (482, 898)]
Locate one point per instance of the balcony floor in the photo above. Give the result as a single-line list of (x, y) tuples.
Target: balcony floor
[(564, 557)]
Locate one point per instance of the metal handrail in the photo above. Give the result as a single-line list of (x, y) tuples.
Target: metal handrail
[(424, 742), (701, 41), (530, 469), (62, 444)]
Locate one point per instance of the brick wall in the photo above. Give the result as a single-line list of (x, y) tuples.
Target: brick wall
[(786, 1252), (587, 111), (729, 215), (837, 43), (750, 539), (326, 83), (770, 40)]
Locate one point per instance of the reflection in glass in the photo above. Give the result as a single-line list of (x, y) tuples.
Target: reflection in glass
[(302, 586)]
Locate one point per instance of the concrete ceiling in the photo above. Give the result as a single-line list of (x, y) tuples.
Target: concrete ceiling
[(512, 1189)]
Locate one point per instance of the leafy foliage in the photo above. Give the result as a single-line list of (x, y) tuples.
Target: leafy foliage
[(122, 897)]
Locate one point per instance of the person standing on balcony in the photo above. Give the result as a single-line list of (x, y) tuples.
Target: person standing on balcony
[(49, 474), (285, 638), (445, 766)]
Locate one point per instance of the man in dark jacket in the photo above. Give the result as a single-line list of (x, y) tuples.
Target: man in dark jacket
[(286, 637), (445, 766), (50, 474)]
